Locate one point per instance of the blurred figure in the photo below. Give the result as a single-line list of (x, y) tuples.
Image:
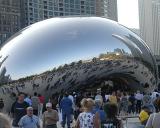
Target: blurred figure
[(35, 103), (99, 96), (28, 100), (113, 98), (66, 107), (154, 119), (29, 120), (111, 119), (131, 104), (139, 98), (18, 109), (124, 104), (4, 121), (155, 102), (70, 96), (144, 115), (50, 117), (87, 119), (147, 101), (98, 108), (1, 105), (41, 100)]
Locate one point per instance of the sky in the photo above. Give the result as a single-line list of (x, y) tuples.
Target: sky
[(128, 13)]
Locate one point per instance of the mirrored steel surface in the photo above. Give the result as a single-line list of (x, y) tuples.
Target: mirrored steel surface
[(74, 53)]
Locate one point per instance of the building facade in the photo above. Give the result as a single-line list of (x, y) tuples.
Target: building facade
[(149, 20), (17, 14), (33, 10), (9, 18)]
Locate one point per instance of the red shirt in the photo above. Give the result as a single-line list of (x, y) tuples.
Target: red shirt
[(41, 99)]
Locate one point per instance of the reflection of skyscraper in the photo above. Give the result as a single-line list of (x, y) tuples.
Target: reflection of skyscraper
[(33, 11), (118, 50), (9, 18), (149, 17)]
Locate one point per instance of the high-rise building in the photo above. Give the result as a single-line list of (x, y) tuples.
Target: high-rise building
[(107, 8), (149, 20), (33, 10), (9, 18)]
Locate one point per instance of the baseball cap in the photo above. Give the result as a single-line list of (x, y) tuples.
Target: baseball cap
[(48, 105)]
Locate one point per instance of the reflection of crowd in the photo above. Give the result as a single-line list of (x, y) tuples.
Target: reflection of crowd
[(77, 74)]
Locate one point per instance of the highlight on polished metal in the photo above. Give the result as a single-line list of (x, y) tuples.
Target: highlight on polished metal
[(75, 53)]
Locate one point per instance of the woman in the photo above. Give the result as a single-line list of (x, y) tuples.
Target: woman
[(111, 119), (87, 119), (124, 104), (154, 119)]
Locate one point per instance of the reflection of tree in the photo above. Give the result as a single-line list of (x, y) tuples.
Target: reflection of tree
[(116, 54)]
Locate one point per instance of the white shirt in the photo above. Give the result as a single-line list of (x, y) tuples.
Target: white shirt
[(86, 120), (139, 96)]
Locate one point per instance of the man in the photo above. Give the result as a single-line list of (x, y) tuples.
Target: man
[(18, 109), (29, 120), (50, 117), (66, 107), (35, 103), (139, 98)]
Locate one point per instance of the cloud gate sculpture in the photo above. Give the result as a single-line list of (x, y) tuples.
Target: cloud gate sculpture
[(76, 53)]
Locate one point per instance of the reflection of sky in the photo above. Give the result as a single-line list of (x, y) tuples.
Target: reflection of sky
[(45, 46)]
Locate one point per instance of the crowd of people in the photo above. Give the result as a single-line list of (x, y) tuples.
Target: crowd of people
[(84, 110)]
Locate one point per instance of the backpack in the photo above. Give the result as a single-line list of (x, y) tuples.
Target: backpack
[(111, 123)]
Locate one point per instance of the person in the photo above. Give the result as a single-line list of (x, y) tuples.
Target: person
[(99, 96), (4, 121), (98, 108), (87, 119), (147, 101), (35, 103), (29, 120), (1, 104), (28, 100), (113, 98), (66, 107), (70, 96), (111, 121), (154, 119), (41, 100), (131, 104), (50, 117), (144, 115), (139, 98), (155, 103), (124, 104), (18, 109)]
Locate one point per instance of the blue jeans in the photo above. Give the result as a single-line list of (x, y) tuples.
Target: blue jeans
[(64, 116)]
